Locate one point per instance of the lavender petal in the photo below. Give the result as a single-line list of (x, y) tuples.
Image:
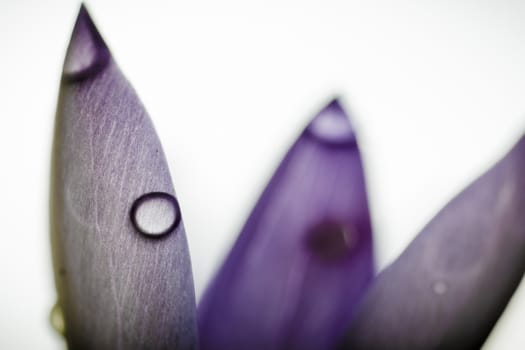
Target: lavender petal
[(449, 287), (304, 257), (118, 288)]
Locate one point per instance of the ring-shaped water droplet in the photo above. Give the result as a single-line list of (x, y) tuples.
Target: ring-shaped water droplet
[(155, 214)]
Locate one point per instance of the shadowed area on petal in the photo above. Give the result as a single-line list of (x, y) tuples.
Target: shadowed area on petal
[(449, 287), (304, 257), (121, 260)]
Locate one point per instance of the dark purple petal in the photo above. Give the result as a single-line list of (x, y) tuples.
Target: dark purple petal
[(449, 287), (119, 286), (304, 257)]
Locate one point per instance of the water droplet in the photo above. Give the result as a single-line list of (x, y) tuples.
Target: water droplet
[(332, 126), (439, 288), (87, 53), (331, 241), (79, 57), (56, 318), (155, 214)]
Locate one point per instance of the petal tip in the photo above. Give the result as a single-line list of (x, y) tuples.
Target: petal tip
[(331, 125), (335, 104), (87, 52)]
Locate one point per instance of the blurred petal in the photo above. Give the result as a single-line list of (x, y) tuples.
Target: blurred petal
[(123, 282), (304, 257), (449, 287)]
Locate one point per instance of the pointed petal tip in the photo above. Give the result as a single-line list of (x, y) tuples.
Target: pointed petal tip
[(331, 125), (82, 10), (87, 53), (83, 15), (335, 104)]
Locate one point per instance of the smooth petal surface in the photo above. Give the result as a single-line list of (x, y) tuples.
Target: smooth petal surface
[(449, 287), (304, 257), (123, 276)]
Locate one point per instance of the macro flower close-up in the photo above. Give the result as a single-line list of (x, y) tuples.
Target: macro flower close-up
[(264, 176)]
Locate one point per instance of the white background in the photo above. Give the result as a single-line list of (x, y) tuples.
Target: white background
[(435, 89)]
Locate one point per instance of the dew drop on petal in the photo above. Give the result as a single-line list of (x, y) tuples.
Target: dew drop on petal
[(331, 241), (332, 129), (80, 57), (155, 214), (57, 319), (439, 288), (87, 53), (332, 126)]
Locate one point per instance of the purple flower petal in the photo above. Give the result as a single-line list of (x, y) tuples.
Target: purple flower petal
[(449, 287), (304, 257), (122, 267)]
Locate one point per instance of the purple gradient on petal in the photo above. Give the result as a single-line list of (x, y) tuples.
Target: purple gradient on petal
[(449, 287), (304, 257), (118, 289)]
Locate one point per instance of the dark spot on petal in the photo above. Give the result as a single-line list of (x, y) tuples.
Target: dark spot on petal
[(332, 241)]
